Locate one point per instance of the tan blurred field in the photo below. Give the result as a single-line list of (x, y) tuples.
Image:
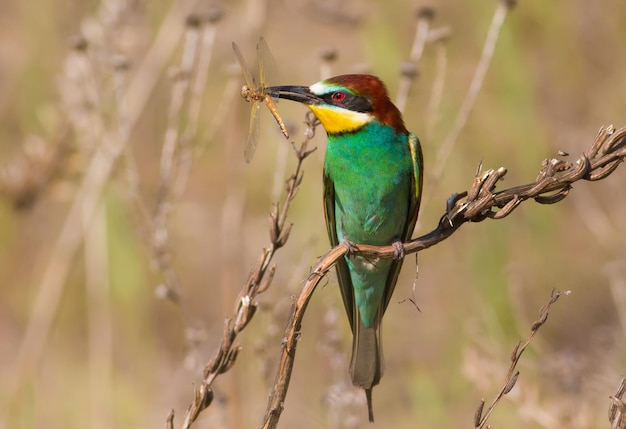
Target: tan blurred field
[(80, 77)]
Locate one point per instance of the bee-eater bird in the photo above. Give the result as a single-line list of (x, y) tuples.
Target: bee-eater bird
[(372, 190)]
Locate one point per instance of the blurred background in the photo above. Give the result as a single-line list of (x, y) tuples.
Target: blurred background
[(129, 219)]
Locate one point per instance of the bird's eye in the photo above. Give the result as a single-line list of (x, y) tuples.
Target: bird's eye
[(339, 96)]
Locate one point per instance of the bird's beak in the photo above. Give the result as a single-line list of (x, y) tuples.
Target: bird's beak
[(301, 94)]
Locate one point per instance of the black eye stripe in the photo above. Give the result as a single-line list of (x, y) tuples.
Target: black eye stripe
[(350, 102)]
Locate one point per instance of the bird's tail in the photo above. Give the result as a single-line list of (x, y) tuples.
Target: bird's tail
[(367, 364)]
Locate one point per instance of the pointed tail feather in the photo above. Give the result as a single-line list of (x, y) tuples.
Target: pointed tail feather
[(367, 364), (370, 409)]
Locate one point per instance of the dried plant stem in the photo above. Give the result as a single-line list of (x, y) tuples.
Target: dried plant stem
[(258, 281), (229, 94), (480, 418), (180, 87), (292, 332), (278, 181), (188, 85), (85, 203), (604, 156), (617, 409), (441, 64), (424, 18), (615, 273), (445, 149), (198, 87), (62, 256), (99, 323), (170, 153)]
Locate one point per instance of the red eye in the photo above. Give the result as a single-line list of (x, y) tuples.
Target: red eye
[(339, 96)]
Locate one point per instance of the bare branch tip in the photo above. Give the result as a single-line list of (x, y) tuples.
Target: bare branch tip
[(478, 414), (169, 420)]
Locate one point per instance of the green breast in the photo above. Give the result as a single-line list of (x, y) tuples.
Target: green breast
[(371, 171)]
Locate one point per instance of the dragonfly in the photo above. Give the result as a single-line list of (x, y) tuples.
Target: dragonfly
[(258, 93)]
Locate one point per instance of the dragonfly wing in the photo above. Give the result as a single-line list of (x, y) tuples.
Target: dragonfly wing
[(253, 132), (267, 73), (267, 64), (247, 76)]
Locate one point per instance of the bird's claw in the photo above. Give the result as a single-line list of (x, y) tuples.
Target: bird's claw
[(398, 250), (351, 247)]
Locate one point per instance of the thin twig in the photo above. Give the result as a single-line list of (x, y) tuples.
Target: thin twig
[(472, 93), (198, 86), (258, 281), (409, 70), (99, 320), (480, 418), (440, 37), (188, 83), (85, 203), (617, 409)]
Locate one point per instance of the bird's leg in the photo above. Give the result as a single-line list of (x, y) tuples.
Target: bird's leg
[(398, 250), (350, 246)]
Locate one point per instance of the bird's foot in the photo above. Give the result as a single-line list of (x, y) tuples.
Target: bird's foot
[(398, 250), (351, 247)]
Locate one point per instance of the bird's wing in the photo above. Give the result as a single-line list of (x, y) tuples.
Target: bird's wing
[(343, 273), (416, 185), (415, 194)]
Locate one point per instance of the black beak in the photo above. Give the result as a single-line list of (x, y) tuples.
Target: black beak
[(301, 94)]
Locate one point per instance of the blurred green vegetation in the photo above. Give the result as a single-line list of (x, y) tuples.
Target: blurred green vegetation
[(556, 77)]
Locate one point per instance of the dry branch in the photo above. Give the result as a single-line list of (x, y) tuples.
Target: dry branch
[(480, 418), (258, 281), (479, 203), (617, 409)]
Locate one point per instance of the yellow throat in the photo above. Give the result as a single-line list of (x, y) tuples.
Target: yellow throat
[(336, 120)]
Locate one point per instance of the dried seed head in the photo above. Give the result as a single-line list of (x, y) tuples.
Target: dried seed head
[(328, 54), (194, 20), (510, 4), (425, 12), (511, 383), (230, 359), (213, 366), (478, 414), (409, 69), (284, 236), (206, 396), (78, 42)]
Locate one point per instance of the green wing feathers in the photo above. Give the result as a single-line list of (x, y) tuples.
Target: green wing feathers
[(415, 198), (343, 272)]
